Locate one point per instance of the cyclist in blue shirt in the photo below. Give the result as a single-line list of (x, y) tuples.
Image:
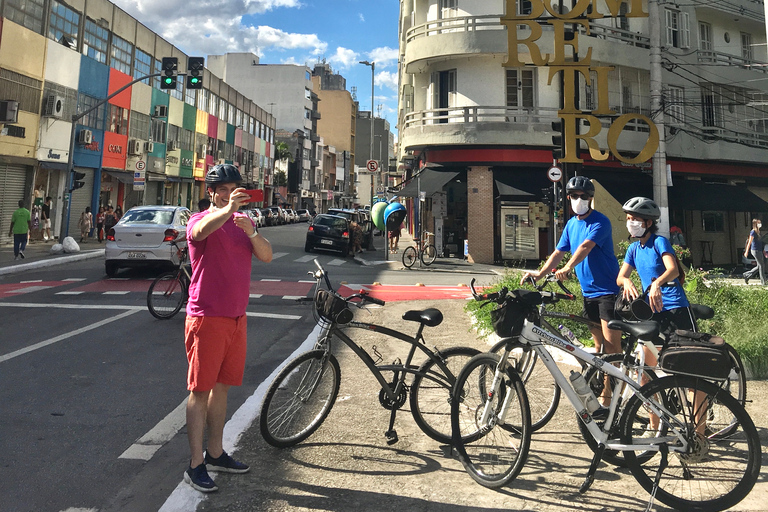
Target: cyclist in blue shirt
[(589, 239), (654, 259)]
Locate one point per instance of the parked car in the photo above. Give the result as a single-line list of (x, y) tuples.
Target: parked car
[(270, 217), (257, 216), (304, 215), (360, 218), (328, 232), (143, 237), (290, 215), (279, 214)]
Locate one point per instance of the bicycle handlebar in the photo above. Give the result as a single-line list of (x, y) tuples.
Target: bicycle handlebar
[(320, 273)]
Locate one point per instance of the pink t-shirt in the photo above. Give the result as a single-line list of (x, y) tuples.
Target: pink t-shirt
[(221, 270)]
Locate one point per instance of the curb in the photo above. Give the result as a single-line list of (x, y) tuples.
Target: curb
[(52, 262)]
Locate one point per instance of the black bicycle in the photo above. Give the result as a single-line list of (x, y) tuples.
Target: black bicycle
[(303, 393), (170, 291)]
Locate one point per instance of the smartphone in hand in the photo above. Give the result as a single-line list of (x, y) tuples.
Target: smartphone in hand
[(255, 195)]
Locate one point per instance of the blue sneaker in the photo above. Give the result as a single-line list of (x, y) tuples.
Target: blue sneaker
[(198, 478), (225, 464)]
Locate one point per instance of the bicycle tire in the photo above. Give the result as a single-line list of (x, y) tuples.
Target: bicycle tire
[(431, 401), (540, 386), (493, 456), (409, 256), (428, 255), (300, 398), (714, 474), (736, 385), (166, 295), (596, 380)]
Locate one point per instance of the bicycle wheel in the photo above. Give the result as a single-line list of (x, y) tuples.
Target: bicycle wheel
[(492, 451), (431, 400), (736, 385), (300, 398), (409, 256), (429, 255), (166, 295), (540, 386), (712, 474)]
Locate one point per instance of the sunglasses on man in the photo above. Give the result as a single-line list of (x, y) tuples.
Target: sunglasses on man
[(579, 196)]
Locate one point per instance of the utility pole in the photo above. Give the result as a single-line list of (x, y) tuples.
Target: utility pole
[(657, 116), (373, 68)]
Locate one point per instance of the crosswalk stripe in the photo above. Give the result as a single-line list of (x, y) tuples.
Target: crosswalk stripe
[(276, 255), (74, 279), (116, 293), (32, 281), (293, 297), (271, 280), (68, 293), (255, 296), (305, 258), (336, 262)]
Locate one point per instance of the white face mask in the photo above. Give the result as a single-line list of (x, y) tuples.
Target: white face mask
[(759, 225), (635, 228), (580, 206)]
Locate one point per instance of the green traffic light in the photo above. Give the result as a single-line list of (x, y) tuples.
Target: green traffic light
[(168, 80), (194, 80)]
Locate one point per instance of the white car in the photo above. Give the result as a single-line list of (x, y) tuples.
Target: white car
[(292, 217), (257, 217), (143, 237)]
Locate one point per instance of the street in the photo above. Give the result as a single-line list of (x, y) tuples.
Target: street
[(94, 387)]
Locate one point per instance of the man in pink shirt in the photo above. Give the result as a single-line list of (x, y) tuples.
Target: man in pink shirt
[(221, 243)]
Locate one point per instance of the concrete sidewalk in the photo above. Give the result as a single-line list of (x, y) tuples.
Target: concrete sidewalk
[(38, 255)]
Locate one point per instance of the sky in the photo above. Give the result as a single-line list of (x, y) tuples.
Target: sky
[(342, 32)]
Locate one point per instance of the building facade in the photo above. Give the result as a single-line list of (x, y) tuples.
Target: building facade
[(479, 92)]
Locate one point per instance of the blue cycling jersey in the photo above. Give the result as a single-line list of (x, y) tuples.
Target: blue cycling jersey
[(646, 259)]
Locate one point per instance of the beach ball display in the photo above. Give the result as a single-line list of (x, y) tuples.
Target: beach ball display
[(394, 214), (377, 215)]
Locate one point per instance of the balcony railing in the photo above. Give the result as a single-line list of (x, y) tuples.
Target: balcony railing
[(725, 59), (481, 114)]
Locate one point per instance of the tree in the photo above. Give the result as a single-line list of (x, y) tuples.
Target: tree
[(280, 179), (282, 152)]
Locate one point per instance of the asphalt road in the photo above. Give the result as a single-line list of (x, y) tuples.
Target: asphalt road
[(93, 387)]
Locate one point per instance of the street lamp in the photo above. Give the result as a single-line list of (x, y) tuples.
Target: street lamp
[(373, 68)]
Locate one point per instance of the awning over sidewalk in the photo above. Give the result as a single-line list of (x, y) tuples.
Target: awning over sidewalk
[(697, 195), (428, 181), (121, 176)]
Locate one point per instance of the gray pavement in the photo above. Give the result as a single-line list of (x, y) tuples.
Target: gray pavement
[(38, 255)]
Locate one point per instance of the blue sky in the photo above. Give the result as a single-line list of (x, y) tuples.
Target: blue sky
[(289, 31)]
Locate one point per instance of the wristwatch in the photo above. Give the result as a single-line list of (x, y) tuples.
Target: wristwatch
[(255, 232)]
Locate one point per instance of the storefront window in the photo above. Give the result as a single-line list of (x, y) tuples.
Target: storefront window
[(712, 222)]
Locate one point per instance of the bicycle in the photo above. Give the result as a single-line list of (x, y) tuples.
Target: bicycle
[(425, 252), (170, 290), (675, 461), (304, 391)]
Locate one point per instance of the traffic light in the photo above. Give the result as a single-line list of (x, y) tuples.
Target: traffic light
[(77, 182), (168, 80), (557, 140), (195, 76)]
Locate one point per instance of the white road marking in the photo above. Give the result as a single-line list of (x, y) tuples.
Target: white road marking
[(276, 255), (116, 293), (336, 262), (293, 297), (271, 280), (29, 289), (68, 293), (255, 296), (146, 446), (306, 281), (73, 509), (70, 306), (65, 336), (32, 281), (273, 315), (304, 259), (74, 279)]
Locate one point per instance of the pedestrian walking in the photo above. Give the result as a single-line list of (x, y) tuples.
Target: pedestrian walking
[(755, 245), (357, 237), (85, 223), (222, 242), (45, 216), (21, 224), (100, 224)]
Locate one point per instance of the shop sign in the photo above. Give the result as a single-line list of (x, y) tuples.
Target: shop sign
[(54, 156)]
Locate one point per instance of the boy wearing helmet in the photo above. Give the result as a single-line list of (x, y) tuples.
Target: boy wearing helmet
[(221, 242), (587, 236)]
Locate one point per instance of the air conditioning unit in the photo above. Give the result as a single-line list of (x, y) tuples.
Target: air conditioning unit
[(85, 137), (134, 147), (54, 106), (161, 111), (149, 147)]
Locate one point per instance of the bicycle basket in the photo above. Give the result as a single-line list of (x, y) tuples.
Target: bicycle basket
[(508, 319), (696, 353), (332, 308)]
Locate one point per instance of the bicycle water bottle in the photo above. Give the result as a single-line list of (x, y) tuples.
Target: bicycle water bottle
[(585, 393), (569, 335)]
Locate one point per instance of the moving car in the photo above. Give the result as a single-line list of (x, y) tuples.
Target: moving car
[(360, 218), (143, 237), (328, 232)]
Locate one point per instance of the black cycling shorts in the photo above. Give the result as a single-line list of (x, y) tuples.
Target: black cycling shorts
[(600, 308), (673, 319)]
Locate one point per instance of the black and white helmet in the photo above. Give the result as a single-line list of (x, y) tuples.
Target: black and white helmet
[(582, 184), (642, 207)]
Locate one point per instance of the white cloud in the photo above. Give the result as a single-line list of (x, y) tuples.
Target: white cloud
[(383, 56), (343, 58), (387, 79), (362, 18)]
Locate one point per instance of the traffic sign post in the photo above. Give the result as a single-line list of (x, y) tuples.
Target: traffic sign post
[(372, 165), (554, 174)]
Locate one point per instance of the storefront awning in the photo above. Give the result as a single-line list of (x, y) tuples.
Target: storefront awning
[(428, 181), (122, 176), (178, 179), (55, 166), (698, 195), (508, 190), (525, 184)]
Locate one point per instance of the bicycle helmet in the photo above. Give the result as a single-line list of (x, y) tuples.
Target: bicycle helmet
[(642, 207), (222, 173), (581, 184)]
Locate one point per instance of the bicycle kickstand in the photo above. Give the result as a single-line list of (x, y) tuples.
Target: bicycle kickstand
[(592, 469), (391, 434), (664, 450)]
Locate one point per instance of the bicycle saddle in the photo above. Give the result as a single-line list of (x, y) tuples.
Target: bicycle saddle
[(640, 330), (429, 317), (702, 312)]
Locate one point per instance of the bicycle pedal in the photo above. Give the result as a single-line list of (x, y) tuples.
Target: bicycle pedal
[(587, 484), (391, 436)]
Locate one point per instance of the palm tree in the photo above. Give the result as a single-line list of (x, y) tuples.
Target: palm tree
[(282, 152)]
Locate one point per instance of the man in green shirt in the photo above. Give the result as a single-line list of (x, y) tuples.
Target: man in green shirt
[(21, 223)]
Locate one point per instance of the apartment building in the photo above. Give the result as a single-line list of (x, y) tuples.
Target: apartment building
[(142, 146), (475, 117)]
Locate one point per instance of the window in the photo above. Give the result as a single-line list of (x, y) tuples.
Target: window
[(212, 106), (627, 104), (520, 87), (524, 7), (95, 118), (138, 128), (122, 55), (222, 109), (27, 13), (63, 24), (705, 36), (712, 222), (189, 96), (678, 29), (118, 120), (675, 105), (95, 41), (308, 94), (443, 92), (187, 140), (174, 133), (158, 69), (158, 130), (746, 46), (230, 114), (621, 21), (448, 8), (142, 65), (712, 105), (177, 92), (22, 88), (590, 92), (202, 99), (238, 117)]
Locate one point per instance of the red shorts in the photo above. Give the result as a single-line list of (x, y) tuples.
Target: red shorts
[(216, 348)]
